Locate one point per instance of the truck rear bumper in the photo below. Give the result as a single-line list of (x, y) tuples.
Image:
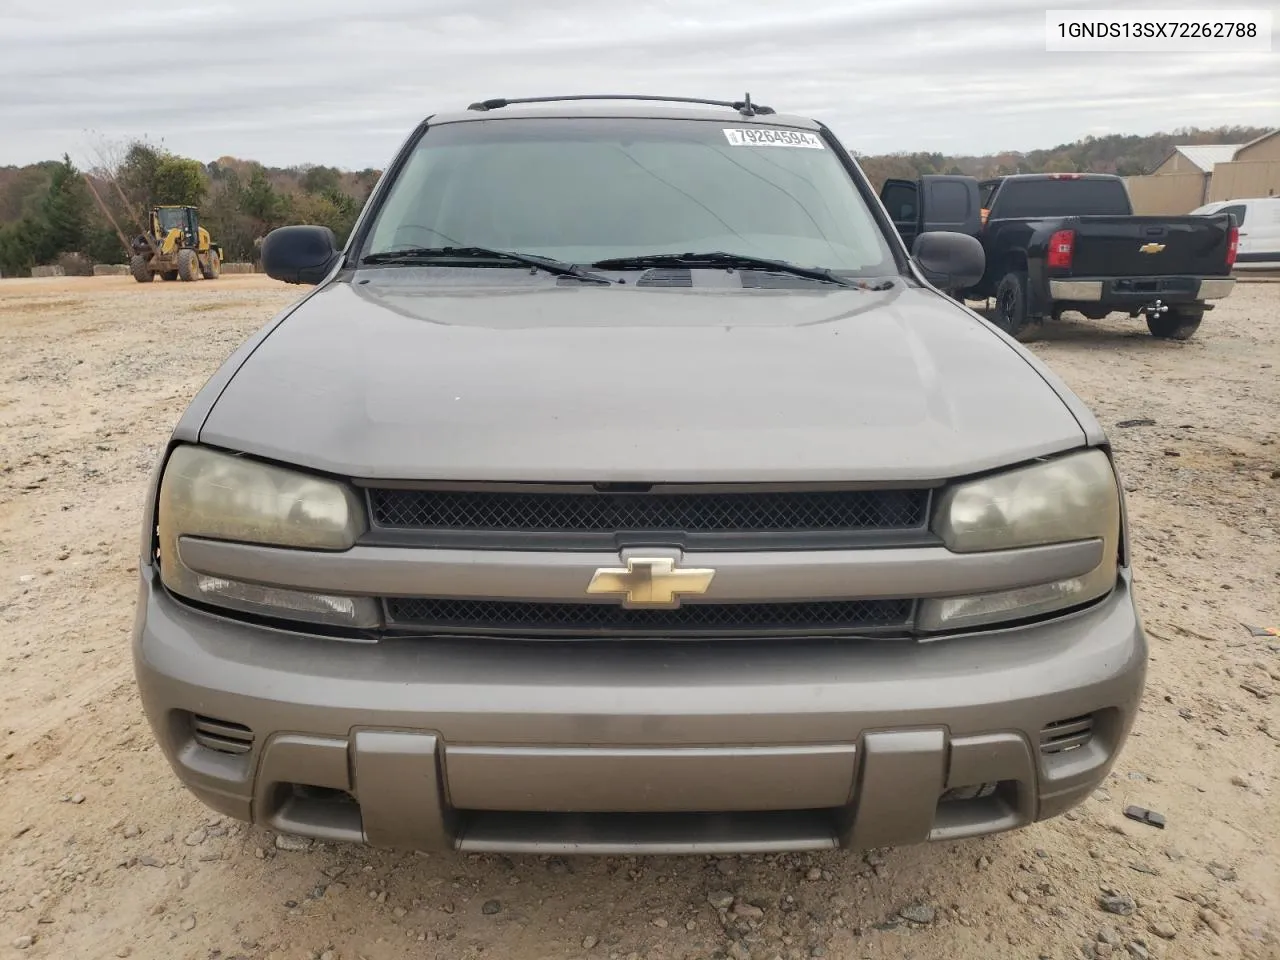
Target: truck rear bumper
[(639, 747), (1126, 292)]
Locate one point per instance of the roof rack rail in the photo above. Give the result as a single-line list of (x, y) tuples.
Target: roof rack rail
[(743, 106)]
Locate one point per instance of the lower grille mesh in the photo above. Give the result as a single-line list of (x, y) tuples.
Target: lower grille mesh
[(527, 617)]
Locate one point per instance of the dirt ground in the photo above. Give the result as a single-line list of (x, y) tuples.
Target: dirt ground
[(102, 854)]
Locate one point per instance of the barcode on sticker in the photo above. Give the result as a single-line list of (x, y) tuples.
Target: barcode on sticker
[(764, 137)]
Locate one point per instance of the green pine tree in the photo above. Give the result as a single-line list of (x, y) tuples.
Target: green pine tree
[(65, 212)]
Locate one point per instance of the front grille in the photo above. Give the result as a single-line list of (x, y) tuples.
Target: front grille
[(606, 512), (600, 619)]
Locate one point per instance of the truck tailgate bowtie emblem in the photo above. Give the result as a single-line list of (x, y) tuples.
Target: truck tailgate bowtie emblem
[(650, 582), (1151, 248)]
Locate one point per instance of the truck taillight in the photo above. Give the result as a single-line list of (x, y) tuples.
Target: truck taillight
[(1062, 245), (1233, 245)]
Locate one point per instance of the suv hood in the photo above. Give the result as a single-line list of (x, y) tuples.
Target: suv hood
[(400, 378)]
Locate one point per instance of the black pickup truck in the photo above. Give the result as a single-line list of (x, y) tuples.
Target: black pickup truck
[(1069, 241)]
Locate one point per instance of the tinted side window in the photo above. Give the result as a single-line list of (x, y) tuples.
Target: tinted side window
[(948, 202), (1239, 210), (900, 200)]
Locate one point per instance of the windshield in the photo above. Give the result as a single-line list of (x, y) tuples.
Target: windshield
[(170, 218), (585, 190)]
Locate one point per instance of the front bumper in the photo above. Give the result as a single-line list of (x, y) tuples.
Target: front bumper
[(1135, 291), (707, 746)]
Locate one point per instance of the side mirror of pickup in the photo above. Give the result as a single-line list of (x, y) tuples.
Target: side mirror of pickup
[(300, 254), (950, 261)]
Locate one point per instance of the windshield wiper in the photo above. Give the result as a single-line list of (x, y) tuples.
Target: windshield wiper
[(411, 255), (718, 258)]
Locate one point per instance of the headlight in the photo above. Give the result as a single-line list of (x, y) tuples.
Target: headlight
[(1068, 499), (205, 493)]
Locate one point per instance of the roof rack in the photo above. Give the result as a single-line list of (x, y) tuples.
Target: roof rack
[(743, 106)]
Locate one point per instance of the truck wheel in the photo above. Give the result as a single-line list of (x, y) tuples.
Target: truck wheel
[(140, 267), (1180, 323), (188, 265), (1010, 314), (211, 267)]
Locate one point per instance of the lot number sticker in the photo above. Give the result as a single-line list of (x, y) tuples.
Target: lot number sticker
[(773, 138)]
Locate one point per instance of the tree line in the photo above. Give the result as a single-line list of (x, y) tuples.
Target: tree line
[(1122, 154), (49, 212), (54, 212)]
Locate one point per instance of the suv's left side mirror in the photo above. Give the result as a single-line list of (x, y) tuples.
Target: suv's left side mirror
[(950, 261), (300, 254)]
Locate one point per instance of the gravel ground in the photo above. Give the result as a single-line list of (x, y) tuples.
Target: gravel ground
[(102, 854)]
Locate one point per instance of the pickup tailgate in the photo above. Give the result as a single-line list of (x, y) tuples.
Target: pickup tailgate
[(1150, 246)]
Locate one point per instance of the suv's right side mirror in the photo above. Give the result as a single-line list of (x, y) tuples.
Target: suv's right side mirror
[(950, 261), (299, 254)]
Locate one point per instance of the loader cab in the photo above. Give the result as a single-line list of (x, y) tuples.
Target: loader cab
[(181, 218)]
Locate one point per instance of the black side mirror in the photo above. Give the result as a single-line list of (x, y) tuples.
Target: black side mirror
[(950, 261), (301, 254)]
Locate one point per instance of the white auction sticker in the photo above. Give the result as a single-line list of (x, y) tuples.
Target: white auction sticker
[(772, 137)]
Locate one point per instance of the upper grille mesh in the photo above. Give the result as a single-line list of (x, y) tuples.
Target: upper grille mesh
[(576, 618), (764, 511)]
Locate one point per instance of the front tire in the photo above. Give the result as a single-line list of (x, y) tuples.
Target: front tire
[(1010, 313), (1179, 323), (188, 265), (140, 267)]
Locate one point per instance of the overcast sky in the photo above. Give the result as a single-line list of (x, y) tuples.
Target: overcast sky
[(295, 81)]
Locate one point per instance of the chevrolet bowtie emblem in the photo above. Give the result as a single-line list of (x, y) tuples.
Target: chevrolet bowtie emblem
[(1151, 248), (650, 582)]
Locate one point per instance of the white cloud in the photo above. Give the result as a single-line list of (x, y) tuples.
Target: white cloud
[(291, 81)]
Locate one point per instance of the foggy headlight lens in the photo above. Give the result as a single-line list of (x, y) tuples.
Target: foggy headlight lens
[(1072, 498), (206, 493), (1069, 499)]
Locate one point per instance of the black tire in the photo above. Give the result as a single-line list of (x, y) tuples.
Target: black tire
[(1010, 313), (188, 265), (169, 275), (212, 266), (140, 267), (1179, 323)]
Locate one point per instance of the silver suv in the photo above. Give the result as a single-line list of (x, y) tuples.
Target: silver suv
[(624, 484)]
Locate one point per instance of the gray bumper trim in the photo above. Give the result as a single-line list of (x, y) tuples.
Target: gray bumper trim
[(1077, 290), (1091, 291), (800, 575), (1216, 289), (398, 729)]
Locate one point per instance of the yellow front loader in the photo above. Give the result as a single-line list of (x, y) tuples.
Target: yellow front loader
[(175, 247)]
